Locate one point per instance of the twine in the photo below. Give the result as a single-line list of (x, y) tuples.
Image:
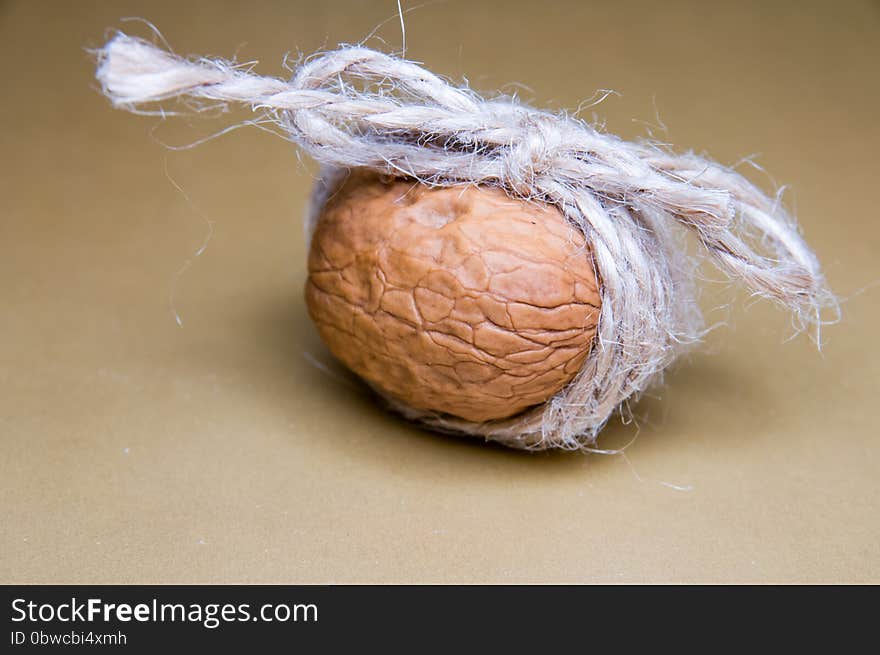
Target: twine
[(355, 107)]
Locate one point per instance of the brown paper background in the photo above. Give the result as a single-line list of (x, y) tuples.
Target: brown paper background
[(136, 450)]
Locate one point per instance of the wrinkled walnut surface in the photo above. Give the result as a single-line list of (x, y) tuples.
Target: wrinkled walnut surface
[(458, 300)]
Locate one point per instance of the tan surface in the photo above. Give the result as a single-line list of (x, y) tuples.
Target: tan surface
[(458, 300), (135, 450)]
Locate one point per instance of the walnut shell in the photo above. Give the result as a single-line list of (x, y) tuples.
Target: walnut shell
[(458, 300)]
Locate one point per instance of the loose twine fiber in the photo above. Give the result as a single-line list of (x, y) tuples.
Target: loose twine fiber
[(355, 107)]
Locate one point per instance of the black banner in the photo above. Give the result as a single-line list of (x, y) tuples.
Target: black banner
[(146, 618)]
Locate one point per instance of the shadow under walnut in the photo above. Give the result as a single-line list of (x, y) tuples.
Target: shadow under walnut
[(456, 300)]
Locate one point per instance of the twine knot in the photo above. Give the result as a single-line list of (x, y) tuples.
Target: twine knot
[(536, 147)]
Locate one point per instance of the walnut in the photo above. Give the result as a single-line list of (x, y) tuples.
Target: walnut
[(458, 300)]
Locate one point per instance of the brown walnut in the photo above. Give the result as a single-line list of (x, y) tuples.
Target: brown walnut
[(458, 300)]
